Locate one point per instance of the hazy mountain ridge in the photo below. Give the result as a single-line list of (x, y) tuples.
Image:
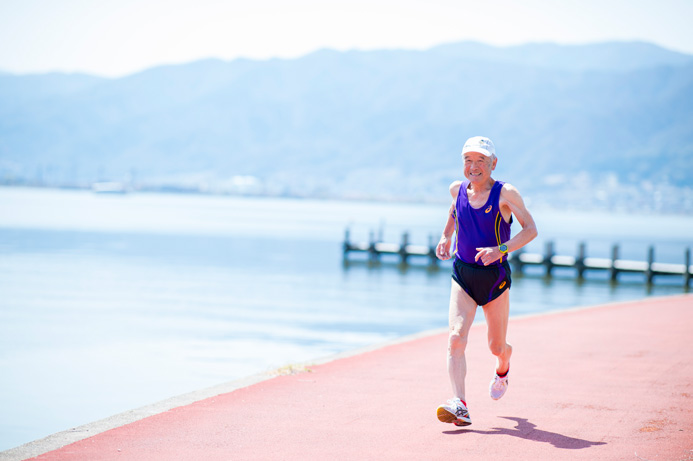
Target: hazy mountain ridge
[(387, 124), (610, 56)]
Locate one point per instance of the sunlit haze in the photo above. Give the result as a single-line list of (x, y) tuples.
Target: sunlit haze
[(115, 38)]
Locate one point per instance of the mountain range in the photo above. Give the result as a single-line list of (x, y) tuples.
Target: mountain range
[(608, 124)]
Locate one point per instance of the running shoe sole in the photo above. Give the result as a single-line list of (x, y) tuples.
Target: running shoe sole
[(447, 417)]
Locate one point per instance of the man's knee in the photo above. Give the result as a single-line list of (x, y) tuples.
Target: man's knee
[(457, 341), (497, 347)]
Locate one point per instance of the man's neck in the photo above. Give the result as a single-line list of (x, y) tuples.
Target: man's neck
[(482, 186)]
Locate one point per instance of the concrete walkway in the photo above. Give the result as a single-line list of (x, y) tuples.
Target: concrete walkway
[(606, 383)]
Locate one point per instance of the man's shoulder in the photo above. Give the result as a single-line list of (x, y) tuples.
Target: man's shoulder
[(509, 188), (510, 192), (455, 188)]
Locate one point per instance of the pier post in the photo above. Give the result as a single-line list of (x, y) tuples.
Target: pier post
[(687, 270), (403, 248), (347, 244), (432, 250), (372, 253), (548, 255), (580, 260), (613, 271), (516, 261), (649, 273)]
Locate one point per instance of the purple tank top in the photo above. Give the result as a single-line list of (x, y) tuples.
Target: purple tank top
[(479, 227)]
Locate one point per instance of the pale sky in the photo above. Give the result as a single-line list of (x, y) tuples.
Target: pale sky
[(119, 37)]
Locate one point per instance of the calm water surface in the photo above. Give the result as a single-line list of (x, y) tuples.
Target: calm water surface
[(108, 303)]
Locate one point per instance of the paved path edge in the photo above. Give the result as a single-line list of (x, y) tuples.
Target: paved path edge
[(76, 434), (63, 438)]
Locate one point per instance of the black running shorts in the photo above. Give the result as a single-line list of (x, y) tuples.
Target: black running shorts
[(482, 283)]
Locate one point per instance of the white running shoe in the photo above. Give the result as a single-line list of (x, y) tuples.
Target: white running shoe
[(454, 412), (498, 386)]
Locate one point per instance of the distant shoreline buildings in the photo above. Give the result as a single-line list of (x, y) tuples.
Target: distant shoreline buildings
[(582, 193)]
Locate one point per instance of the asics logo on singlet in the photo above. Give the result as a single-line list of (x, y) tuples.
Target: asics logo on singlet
[(487, 210)]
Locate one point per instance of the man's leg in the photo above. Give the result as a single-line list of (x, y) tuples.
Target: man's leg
[(461, 317), (497, 313)]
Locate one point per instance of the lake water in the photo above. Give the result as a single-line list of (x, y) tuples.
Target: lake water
[(109, 303)]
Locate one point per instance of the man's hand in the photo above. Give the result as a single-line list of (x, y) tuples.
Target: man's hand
[(487, 255), (443, 248)]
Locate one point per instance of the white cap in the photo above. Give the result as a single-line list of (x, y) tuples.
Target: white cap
[(479, 144)]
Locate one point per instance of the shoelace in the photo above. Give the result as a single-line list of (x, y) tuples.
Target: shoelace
[(500, 382), (457, 407)]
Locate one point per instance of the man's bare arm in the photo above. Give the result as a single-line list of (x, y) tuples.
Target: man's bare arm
[(443, 248), (512, 199)]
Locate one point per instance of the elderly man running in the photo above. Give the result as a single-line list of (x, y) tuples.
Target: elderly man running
[(481, 213)]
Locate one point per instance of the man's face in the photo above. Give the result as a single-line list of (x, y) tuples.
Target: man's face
[(478, 167)]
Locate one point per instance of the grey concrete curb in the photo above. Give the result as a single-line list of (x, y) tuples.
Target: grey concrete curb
[(61, 439)]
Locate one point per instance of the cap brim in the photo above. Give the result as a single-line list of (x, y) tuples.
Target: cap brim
[(478, 150)]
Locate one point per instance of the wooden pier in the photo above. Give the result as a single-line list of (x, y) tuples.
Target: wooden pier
[(520, 259)]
